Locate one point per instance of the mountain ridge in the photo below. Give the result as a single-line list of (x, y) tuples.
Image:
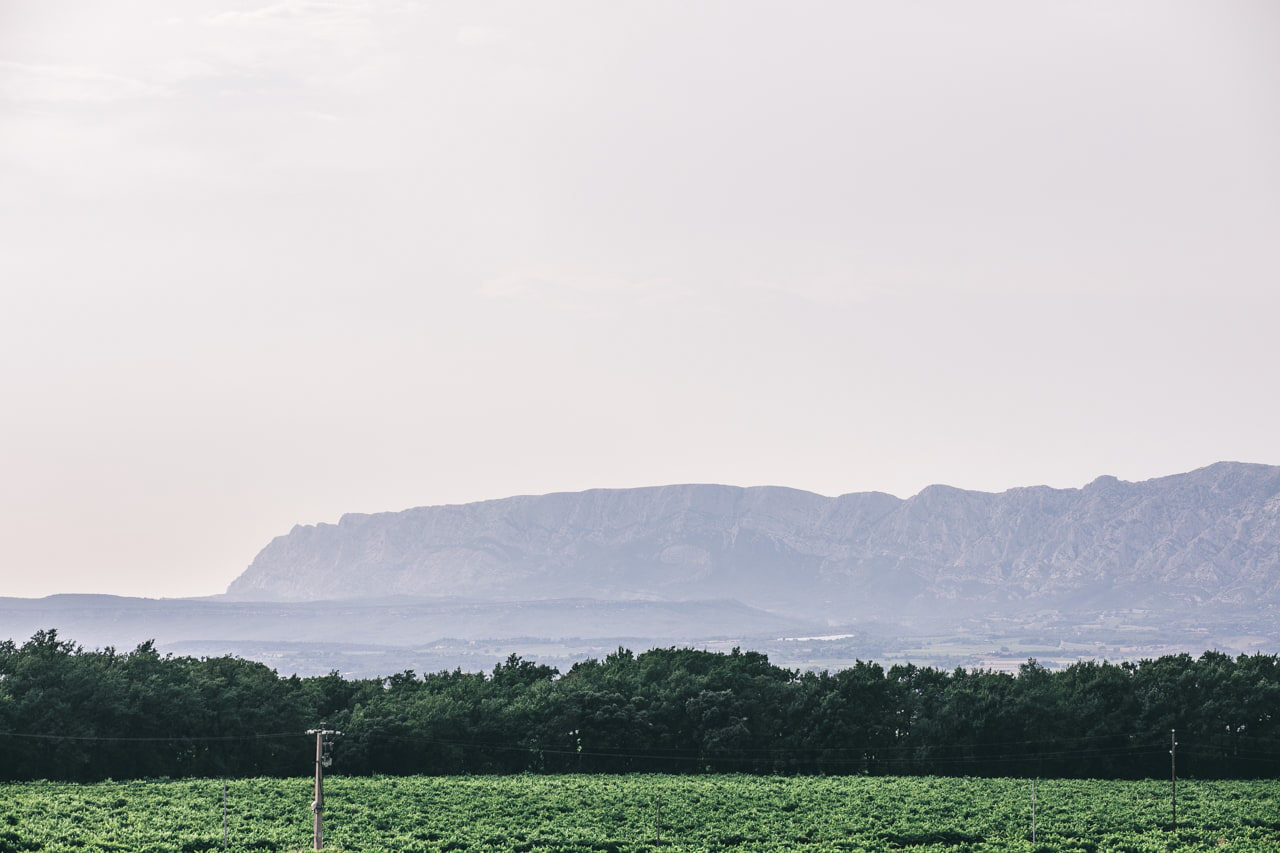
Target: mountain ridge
[(1211, 535)]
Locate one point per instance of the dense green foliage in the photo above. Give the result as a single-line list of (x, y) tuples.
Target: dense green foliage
[(628, 813), (67, 713)]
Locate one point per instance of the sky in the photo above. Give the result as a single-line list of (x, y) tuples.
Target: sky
[(265, 263)]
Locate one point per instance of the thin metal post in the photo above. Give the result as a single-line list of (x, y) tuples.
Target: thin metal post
[(658, 838), (224, 814), (1033, 810), (1173, 774)]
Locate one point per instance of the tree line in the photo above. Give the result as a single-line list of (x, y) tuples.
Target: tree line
[(75, 714)]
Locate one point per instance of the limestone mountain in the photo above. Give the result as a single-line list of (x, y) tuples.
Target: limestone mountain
[(1209, 537)]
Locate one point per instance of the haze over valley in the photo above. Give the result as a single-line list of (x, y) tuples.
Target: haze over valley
[(952, 577)]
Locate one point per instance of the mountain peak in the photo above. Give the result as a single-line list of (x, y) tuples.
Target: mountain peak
[(1105, 481)]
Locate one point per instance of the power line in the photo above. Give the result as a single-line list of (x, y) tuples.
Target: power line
[(881, 755), (780, 753), (876, 747), (153, 739)]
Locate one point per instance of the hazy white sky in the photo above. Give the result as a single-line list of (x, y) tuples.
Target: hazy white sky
[(265, 263)]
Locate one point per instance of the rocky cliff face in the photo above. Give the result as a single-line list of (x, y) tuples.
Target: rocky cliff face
[(1210, 536)]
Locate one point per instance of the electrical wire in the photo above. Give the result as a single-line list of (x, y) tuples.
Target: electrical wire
[(154, 739), (872, 754)]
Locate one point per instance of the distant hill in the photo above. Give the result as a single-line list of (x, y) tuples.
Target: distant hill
[(100, 620), (1208, 537), (367, 638)]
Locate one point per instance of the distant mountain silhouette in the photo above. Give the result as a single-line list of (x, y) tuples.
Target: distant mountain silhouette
[(1211, 537), (948, 577)]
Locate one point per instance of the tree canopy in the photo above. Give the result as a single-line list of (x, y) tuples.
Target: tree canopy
[(71, 713)]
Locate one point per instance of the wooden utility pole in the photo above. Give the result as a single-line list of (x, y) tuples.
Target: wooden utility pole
[(1173, 773), (317, 805)]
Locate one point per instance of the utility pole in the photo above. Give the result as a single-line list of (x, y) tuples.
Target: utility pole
[(1173, 773), (322, 761)]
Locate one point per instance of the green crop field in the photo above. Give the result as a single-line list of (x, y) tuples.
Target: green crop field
[(626, 813)]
